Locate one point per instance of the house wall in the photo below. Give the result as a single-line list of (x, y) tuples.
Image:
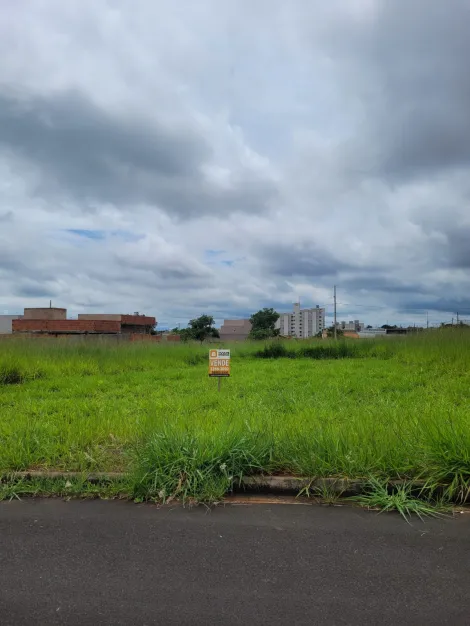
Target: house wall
[(128, 320), (235, 330), (111, 317), (138, 320), (65, 326)]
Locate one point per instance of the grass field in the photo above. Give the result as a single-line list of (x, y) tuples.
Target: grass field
[(388, 408)]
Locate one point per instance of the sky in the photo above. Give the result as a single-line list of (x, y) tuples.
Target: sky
[(219, 156)]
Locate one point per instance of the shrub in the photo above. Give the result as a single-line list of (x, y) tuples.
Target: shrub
[(275, 351), (11, 375)]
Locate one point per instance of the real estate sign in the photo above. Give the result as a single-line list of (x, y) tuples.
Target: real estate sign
[(219, 363)]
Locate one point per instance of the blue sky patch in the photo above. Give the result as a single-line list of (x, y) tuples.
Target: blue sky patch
[(87, 234), (98, 235)]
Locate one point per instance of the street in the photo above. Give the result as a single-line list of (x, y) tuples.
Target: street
[(119, 563)]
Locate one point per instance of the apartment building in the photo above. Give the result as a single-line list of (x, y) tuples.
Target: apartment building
[(301, 323)]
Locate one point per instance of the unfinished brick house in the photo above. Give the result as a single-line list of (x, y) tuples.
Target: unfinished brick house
[(53, 321)]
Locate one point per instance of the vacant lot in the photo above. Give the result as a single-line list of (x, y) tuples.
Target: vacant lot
[(387, 408)]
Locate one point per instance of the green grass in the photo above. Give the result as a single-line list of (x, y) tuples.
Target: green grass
[(175, 464), (388, 408), (12, 488), (378, 495)]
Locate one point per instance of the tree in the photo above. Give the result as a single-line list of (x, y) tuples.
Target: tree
[(262, 324), (263, 333), (368, 326), (200, 329), (330, 332)]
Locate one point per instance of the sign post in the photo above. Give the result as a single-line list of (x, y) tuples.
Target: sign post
[(219, 365)]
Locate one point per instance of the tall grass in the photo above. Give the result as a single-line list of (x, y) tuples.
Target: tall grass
[(379, 495), (175, 463), (389, 408)]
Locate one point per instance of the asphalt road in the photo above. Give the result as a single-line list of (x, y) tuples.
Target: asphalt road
[(94, 562)]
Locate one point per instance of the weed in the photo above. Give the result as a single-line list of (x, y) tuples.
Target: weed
[(448, 460), (275, 351), (196, 359), (380, 496), (11, 375), (325, 492), (193, 466), (336, 350)]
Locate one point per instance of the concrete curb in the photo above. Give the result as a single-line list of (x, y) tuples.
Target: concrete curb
[(292, 485), (316, 486), (295, 484)]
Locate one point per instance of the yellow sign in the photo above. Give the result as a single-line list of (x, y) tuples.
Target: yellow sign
[(219, 362)]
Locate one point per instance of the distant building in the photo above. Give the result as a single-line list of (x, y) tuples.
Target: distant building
[(372, 332), (50, 321), (6, 322), (389, 332), (136, 323), (354, 326), (235, 330), (301, 323)]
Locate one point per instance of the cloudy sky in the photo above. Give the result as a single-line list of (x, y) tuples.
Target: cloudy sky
[(181, 157)]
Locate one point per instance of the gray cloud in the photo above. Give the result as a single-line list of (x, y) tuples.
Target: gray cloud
[(89, 154), (7, 216), (458, 246), (376, 282), (410, 60), (301, 259), (359, 113), (451, 306), (35, 291)]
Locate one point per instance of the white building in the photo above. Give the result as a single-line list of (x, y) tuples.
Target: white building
[(302, 323), (355, 325), (6, 323), (371, 333)]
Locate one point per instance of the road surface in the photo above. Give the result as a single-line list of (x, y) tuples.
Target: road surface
[(118, 563)]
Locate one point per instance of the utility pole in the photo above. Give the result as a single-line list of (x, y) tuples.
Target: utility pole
[(457, 318), (334, 297), (427, 319)]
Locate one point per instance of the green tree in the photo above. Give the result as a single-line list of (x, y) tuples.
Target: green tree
[(200, 329), (330, 332), (263, 333), (262, 324)]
